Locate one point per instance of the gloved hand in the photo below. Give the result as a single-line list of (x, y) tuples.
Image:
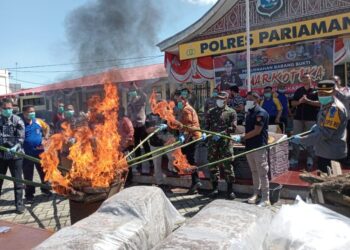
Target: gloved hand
[(236, 138), (14, 148), (204, 136), (72, 140), (216, 138), (315, 128), (162, 127), (296, 139), (181, 138)]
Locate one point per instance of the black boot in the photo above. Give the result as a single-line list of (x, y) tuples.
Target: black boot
[(196, 184), (215, 193), (230, 195)]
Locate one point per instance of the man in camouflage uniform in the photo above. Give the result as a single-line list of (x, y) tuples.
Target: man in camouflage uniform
[(221, 119), (329, 134), (210, 102)]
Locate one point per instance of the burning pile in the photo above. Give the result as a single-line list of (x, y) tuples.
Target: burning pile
[(166, 111), (95, 156)]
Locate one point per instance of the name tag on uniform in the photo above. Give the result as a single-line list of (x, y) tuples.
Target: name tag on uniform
[(332, 119)]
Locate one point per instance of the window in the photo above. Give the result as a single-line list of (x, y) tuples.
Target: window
[(34, 101)]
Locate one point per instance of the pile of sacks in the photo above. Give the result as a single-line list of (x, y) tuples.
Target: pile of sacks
[(143, 218)]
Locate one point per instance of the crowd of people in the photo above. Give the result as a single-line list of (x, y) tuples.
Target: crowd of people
[(322, 110)]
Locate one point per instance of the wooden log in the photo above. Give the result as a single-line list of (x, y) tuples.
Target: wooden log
[(311, 178), (337, 198)]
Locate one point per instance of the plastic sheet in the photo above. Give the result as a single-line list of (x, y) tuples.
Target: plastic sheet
[(307, 226), (222, 225), (136, 218)]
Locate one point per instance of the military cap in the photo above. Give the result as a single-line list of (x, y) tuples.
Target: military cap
[(326, 86), (222, 95)]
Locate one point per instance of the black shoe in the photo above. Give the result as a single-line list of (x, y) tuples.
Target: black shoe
[(194, 188), (214, 194), (230, 196), (20, 209), (30, 200)]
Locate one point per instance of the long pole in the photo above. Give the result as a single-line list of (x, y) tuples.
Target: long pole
[(168, 151), (247, 11), (208, 132), (26, 182), (142, 142), (250, 151)]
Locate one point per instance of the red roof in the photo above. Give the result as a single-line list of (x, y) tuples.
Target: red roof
[(114, 75)]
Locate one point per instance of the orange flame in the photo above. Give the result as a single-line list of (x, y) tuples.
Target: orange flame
[(96, 159), (166, 111)]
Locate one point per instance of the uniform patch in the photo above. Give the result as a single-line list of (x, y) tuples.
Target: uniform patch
[(332, 112)]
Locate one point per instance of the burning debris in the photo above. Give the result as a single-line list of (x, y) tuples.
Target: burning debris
[(96, 161), (166, 111)]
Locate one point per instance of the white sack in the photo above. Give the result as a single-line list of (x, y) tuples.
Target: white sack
[(136, 218)]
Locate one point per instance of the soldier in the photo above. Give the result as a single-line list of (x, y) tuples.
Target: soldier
[(222, 119), (329, 134), (12, 132)]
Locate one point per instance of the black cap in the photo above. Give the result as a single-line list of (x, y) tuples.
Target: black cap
[(326, 86)]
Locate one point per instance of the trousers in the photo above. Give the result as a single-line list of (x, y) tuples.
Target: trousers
[(28, 172), (140, 134), (190, 152), (157, 162), (259, 167), (15, 166)]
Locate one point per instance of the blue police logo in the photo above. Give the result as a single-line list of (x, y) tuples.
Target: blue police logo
[(268, 7)]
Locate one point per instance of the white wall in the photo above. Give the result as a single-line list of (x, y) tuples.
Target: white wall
[(4, 82)]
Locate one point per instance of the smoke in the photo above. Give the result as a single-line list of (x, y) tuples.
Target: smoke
[(104, 30)]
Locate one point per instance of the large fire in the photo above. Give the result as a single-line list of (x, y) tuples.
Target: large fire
[(166, 111), (95, 156)]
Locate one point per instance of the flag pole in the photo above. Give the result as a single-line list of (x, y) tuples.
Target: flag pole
[(247, 11)]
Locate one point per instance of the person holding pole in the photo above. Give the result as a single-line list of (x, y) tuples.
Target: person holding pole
[(188, 117), (221, 119), (256, 135), (137, 113), (329, 134), (12, 133), (36, 130)]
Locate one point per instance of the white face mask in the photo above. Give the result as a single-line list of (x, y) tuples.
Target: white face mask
[(220, 103), (249, 105)]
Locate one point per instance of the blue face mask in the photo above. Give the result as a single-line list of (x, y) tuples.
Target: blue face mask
[(180, 105), (69, 113), (324, 100), (215, 94), (267, 95), (282, 91), (7, 112), (31, 116), (132, 93)]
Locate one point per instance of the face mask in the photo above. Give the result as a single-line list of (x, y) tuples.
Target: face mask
[(31, 116), (215, 94), (267, 95), (324, 100), (282, 91), (7, 112), (69, 113), (132, 93), (180, 105), (60, 110), (220, 103), (249, 105)]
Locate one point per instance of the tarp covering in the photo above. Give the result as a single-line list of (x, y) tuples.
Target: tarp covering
[(222, 225), (136, 218)]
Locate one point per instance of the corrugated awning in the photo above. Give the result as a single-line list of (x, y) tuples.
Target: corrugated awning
[(114, 75)]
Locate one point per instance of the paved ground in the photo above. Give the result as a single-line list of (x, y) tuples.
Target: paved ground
[(53, 212)]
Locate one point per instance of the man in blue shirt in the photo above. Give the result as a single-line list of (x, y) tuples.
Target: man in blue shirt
[(272, 106), (35, 131), (256, 128)]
